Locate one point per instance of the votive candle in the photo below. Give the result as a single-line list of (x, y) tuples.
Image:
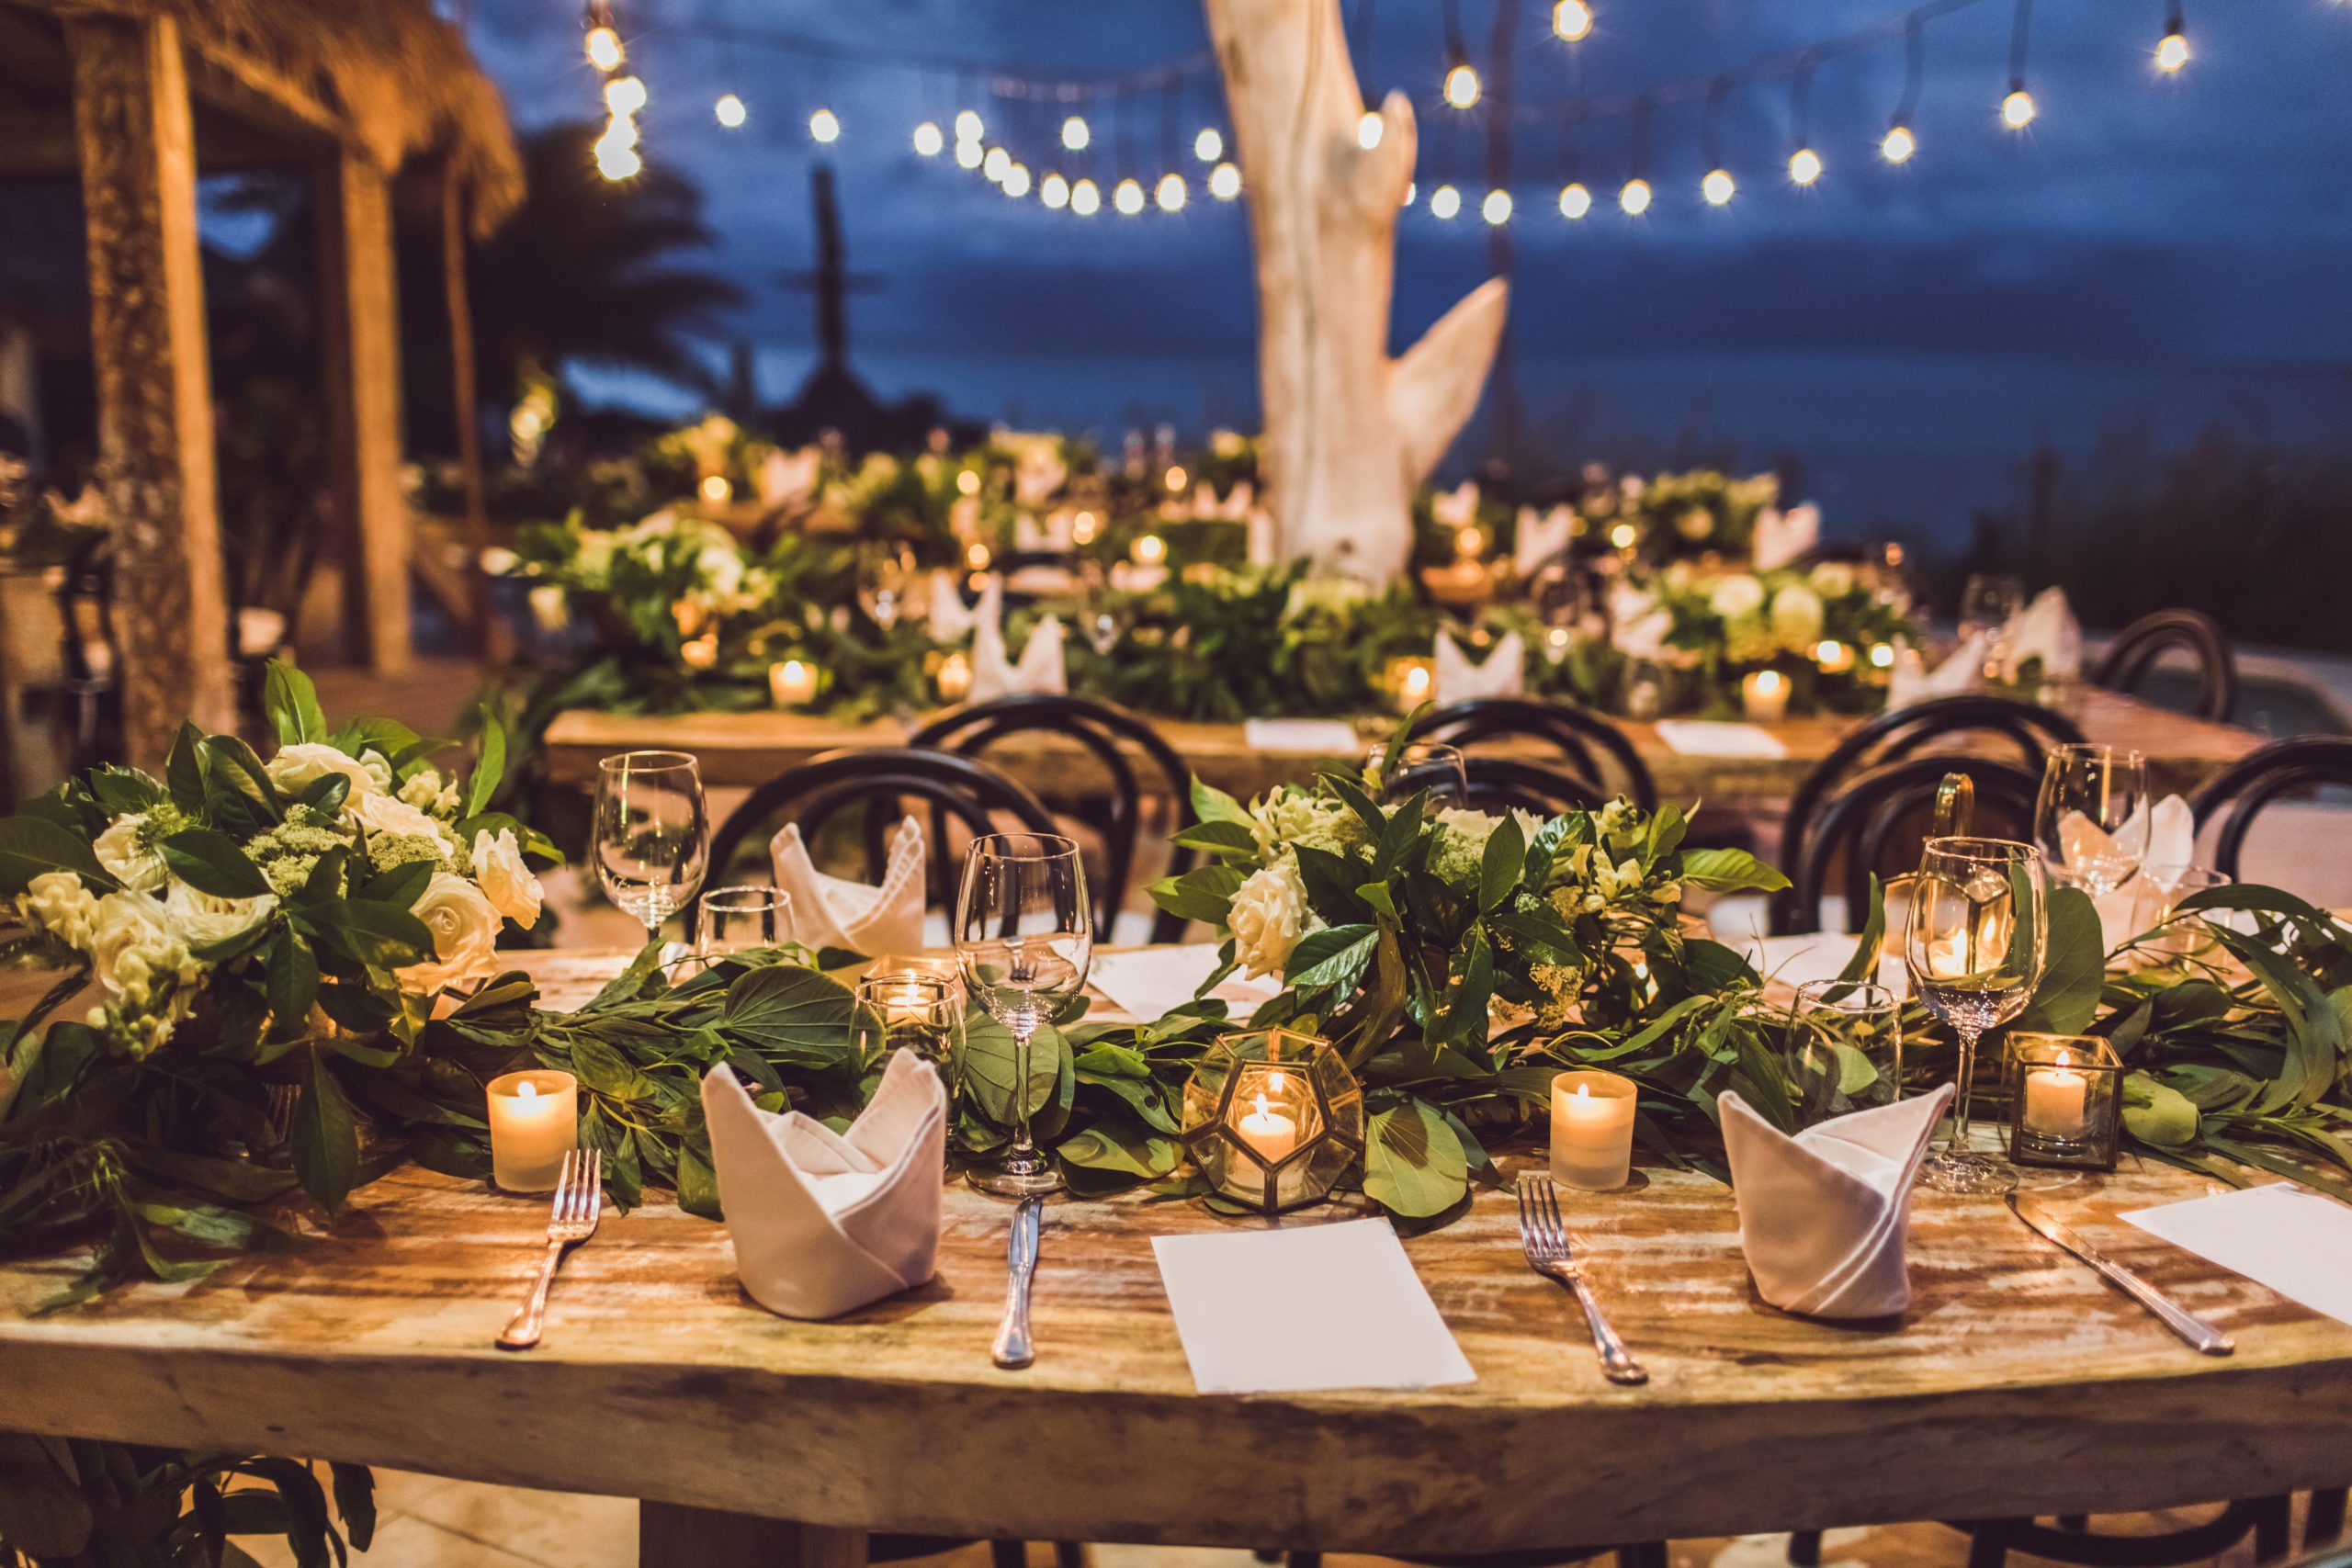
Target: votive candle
[(792, 684), (2056, 1101), (700, 653), (1413, 682), (1592, 1130), (1765, 695), (533, 1122), (955, 678)]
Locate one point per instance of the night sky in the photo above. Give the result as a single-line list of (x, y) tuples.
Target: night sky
[(2155, 253)]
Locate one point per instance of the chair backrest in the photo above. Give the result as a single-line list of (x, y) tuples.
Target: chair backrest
[(1115, 738), (1583, 737), (2241, 791), (880, 781), (1507, 783), (2138, 646), (1878, 820)]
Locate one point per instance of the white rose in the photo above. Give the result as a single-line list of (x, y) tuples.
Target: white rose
[(138, 867), (1833, 579), (380, 770), (550, 608), (297, 767), (1269, 916), (56, 902), (506, 881), (464, 936), (721, 567), (126, 923), (389, 814), (202, 919), (1736, 595), (1796, 615), (422, 788)]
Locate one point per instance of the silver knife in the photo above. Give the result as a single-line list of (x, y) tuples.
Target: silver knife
[(2188, 1325), (1013, 1348)]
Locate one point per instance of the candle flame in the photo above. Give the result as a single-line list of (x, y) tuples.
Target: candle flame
[(1583, 1093), (2064, 1060), (526, 1089), (1262, 1107)]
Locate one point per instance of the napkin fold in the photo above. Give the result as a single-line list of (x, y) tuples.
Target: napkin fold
[(825, 1222), (2045, 629), (1913, 682), (1823, 1215), (2172, 849), (1638, 625), (830, 911), (1456, 508), (1503, 674), (1041, 669), (1783, 537), (784, 477), (951, 619), (1541, 535), (1054, 532)]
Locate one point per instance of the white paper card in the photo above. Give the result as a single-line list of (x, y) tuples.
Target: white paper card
[(1150, 982), (1795, 961), (2282, 1235), (1704, 738), (1240, 1295), (1301, 737)]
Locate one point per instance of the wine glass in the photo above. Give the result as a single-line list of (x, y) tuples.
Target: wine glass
[(2091, 819), (1979, 928), (653, 833), (1845, 1048), (738, 919), (1099, 617), (1987, 604), (1023, 938), (887, 582), (1418, 765)]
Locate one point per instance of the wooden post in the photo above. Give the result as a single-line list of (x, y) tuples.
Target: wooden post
[(359, 312), (138, 154), (1349, 432), (671, 1536), (489, 633)]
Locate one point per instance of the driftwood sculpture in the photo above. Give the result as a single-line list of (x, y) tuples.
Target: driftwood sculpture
[(1349, 432)]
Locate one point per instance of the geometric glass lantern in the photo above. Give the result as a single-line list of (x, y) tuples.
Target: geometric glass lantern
[(1273, 1118)]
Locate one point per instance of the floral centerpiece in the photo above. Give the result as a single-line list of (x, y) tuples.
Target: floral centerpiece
[(1678, 516), (1829, 629)]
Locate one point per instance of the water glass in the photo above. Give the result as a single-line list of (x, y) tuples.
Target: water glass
[(1987, 604), (1024, 939), (1393, 779), (2091, 819), (1102, 620), (651, 835), (1845, 1049), (923, 1013), (2160, 889), (741, 919)]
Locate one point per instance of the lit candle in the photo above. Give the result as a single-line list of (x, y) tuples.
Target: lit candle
[(1592, 1130), (1268, 1131), (2055, 1100), (1412, 682), (1469, 543), (1765, 695), (1834, 657), (955, 678), (701, 652), (792, 684), (1148, 556), (533, 1122)]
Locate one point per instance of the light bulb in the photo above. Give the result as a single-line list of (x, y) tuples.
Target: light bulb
[(1572, 19), (625, 95), (968, 154), (1127, 197), (1495, 209), (1225, 181), (729, 110), (1718, 187), (1054, 191), (825, 125), (604, 51), (621, 131), (1462, 86), (1369, 130), (1635, 198), (1575, 200), (1084, 199), (2172, 54), (928, 142), (1170, 194), (1445, 202), (1412, 188), (1898, 144), (1075, 136), (1805, 165), (1016, 181), (2017, 109), (968, 127), (995, 163), (616, 162), (1209, 145)]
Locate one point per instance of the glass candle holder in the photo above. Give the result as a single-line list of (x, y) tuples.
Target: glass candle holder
[(1410, 682), (2068, 1110), (1592, 1130), (533, 1122), (2167, 939), (906, 1011), (1764, 697), (1844, 1050), (1273, 1118)]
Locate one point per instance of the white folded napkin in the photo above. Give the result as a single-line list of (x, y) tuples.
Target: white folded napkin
[(788, 476), (1503, 674), (2045, 629), (825, 1222), (829, 911), (1823, 1215), (951, 620), (1541, 535), (1054, 531), (1456, 508), (1041, 667), (1782, 536), (2171, 849), (1957, 676), (1638, 625), (1265, 545)]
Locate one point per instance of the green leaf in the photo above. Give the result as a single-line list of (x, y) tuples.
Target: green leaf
[(237, 791), (988, 1068), (401, 887), (184, 768), (788, 1011), (1204, 894), (490, 764), (1107, 1146), (1504, 860), (292, 972), (2073, 969), (291, 705), (210, 862), (354, 1501), (1413, 1165), (1211, 804), (380, 934), (124, 790), (326, 1141), (1220, 838), (1332, 959), (327, 792), (31, 846), (2157, 1113), (1730, 871), (1870, 945)]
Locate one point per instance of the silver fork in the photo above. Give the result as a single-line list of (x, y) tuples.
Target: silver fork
[(579, 1198), (1550, 1254)]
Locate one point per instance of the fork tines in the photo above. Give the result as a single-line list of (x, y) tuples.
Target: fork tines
[(1541, 1232)]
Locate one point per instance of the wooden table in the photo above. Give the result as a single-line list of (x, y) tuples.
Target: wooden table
[(740, 750), (2018, 1383)]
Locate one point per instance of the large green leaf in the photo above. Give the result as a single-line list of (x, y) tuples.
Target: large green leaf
[(1211, 804), (292, 704), (786, 1011), (210, 862), (30, 846), (2073, 968), (490, 764), (1872, 943), (988, 1068), (1730, 871), (1106, 1147), (1204, 895), (1332, 959), (1413, 1165), (381, 934), (326, 1141), (2157, 1113), (1503, 863)]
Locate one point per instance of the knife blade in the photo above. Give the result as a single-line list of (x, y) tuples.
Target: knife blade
[(1013, 1348), (2188, 1325)]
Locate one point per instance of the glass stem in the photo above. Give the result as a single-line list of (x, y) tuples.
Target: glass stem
[(1021, 1148), (1965, 1079)]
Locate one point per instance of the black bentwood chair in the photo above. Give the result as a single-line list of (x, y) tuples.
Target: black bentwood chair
[(1497, 784), (1116, 740), (1875, 825), (1594, 748), (2243, 790), (2137, 649), (2069, 1538), (1632, 1554)]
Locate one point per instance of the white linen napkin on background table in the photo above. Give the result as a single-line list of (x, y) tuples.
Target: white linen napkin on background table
[(1782, 536), (1502, 675), (831, 911), (1041, 670), (1714, 738), (1540, 535), (2172, 849), (823, 1222), (1823, 1215), (2045, 629), (1913, 682), (951, 619)]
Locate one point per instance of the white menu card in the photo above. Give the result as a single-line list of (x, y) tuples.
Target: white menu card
[(2287, 1237)]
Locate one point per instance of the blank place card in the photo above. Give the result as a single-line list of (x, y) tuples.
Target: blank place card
[(1301, 737), (1287, 1310), (1152, 982), (2287, 1237), (1704, 738)]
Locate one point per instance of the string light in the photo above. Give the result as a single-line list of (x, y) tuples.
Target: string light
[(1495, 209), (1084, 199), (1369, 130), (824, 126), (620, 132), (968, 127), (1572, 19), (928, 142), (995, 163), (1209, 145), (1805, 165), (1575, 200), (1635, 198), (1016, 181), (2017, 109), (1718, 187), (625, 95), (1054, 191), (1075, 135), (2172, 50), (730, 112), (616, 162), (604, 50), (1445, 202), (1170, 193), (1225, 181), (1127, 197), (1462, 87), (1898, 144)]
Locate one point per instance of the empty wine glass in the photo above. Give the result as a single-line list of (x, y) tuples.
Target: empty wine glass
[(653, 833), (1845, 1048), (1025, 938), (1979, 928), (1099, 619), (2091, 819), (888, 584), (1987, 604), (1418, 765), (741, 919)]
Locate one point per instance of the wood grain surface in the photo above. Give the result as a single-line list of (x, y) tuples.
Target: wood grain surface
[(2017, 1383)]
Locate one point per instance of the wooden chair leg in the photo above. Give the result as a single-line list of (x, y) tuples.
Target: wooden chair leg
[(1804, 1549), (1305, 1560), (1988, 1548), (1008, 1554), (2274, 1528), (2324, 1523), (1641, 1554), (1070, 1555)]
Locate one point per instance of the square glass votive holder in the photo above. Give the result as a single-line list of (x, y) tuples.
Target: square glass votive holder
[(2068, 1105)]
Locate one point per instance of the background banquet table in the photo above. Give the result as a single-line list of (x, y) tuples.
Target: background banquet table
[(2012, 1386), (740, 750)]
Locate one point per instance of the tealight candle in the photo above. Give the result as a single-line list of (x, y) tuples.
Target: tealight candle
[(1592, 1130), (1147, 568), (955, 678), (792, 684), (1765, 695), (1412, 682), (1834, 657), (2055, 1100), (533, 1122), (701, 652)]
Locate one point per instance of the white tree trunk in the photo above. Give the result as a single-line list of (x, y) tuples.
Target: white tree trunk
[(1350, 433)]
